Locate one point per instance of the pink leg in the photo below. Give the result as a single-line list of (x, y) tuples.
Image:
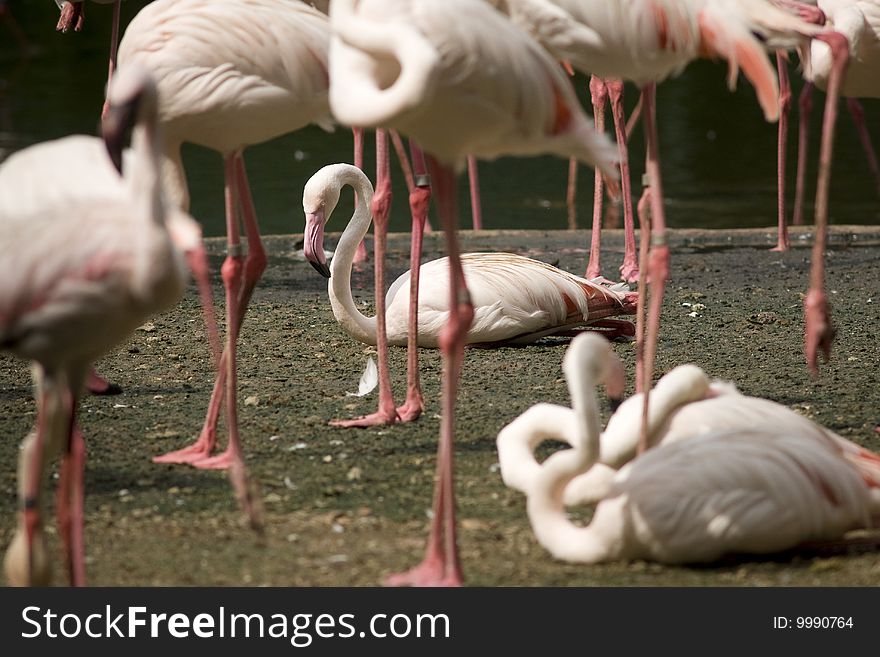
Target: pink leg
[(629, 270), (781, 146), (817, 312), (361, 254), (32, 489), (599, 94), (114, 44), (805, 105), (658, 258), (474, 180), (381, 205), (441, 566), (98, 385), (858, 116), (644, 210), (419, 198), (70, 496), (571, 193)]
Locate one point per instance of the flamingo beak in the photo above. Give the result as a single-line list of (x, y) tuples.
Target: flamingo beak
[(313, 242), (115, 125), (615, 383), (197, 260)]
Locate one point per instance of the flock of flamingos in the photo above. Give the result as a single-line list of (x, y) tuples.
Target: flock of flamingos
[(685, 472)]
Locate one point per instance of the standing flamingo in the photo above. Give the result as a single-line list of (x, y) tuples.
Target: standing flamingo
[(516, 299), (110, 255), (745, 491), (460, 79), (230, 73)]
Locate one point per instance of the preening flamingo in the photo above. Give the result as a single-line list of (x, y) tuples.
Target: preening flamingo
[(745, 491), (516, 299), (110, 255), (684, 404), (230, 73), (460, 79)]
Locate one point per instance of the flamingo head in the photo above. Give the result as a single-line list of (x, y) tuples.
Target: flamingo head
[(591, 354), (132, 96), (320, 196)]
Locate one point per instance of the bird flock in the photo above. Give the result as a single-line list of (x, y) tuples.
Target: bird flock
[(686, 470)]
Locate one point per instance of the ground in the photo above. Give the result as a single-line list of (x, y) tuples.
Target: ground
[(348, 506)]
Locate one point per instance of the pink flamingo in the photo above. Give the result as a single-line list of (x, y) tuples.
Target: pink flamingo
[(746, 490), (461, 80), (110, 255), (230, 73)]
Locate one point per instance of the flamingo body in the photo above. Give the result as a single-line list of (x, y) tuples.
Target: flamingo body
[(859, 22), (515, 299), (428, 69)]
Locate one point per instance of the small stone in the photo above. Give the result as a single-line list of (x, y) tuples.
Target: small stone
[(354, 474), (327, 459), (253, 400)]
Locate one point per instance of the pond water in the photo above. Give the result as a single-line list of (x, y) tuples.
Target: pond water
[(717, 152)]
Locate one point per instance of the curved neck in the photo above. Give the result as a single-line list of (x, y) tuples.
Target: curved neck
[(355, 323), (174, 176), (144, 177), (546, 510)]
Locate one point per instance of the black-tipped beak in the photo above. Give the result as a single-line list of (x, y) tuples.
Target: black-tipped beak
[(115, 128), (321, 268), (313, 242), (615, 403)]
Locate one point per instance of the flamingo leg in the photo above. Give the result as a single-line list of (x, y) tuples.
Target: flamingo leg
[(858, 116), (441, 565), (114, 46), (358, 133), (419, 199), (474, 183), (70, 498), (658, 258), (571, 193), (817, 312), (599, 95), (629, 270), (781, 148), (381, 205), (805, 107), (644, 210)]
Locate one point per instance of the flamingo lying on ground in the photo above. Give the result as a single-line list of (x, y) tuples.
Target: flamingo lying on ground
[(109, 256), (684, 404), (461, 80), (745, 491), (516, 299), (231, 73)]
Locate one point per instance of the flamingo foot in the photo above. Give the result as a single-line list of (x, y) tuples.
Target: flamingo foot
[(98, 385), (219, 462), (431, 572), (411, 410), (819, 332), (781, 247), (378, 418), (198, 451), (247, 493), (629, 271), (615, 329), (71, 16)]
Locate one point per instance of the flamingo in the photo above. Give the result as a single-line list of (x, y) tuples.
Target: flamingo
[(516, 299), (744, 491), (231, 73), (458, 78), (685, 404), (110, 255)]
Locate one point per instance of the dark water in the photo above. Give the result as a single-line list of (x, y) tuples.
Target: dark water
[(718, 154)]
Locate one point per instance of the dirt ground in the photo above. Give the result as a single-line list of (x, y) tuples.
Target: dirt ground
[(348, 506)]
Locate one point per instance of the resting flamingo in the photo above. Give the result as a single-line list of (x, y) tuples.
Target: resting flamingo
[(684, 404), (461, 80), (516, 299), (231, 73), (110, 255), (746, 491)]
